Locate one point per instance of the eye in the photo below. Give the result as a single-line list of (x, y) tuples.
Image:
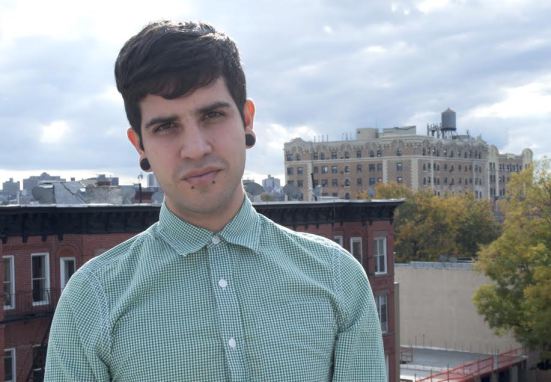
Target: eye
[(164, 127), (212, 115)]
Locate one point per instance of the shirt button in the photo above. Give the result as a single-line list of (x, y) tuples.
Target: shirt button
[(232, 344), (215, 240), (223, 283)]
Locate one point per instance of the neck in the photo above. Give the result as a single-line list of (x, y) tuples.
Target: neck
[(213, 220)]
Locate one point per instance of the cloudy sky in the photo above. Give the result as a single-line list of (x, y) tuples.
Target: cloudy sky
[(314, 67)]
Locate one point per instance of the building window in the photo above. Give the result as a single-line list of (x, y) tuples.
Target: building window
[(398, 152), (324, 182), (371, 153), (334, 182), (338, 239), (315, 155), (358, 181), (324, 169), (316, 169), (333, 155), (372, 181), (379, 167), (382, 310), (346, 169), (300, 170), (334, 170), (39, 359), (67, 268), (379, 152), (399, 179), (371, 167), (9, 282), (290, 170), (356, 248), (300, 183), (322, 156), (9, 365), (399, 166), (346, 155), (358, 153), (358, 168), (288, 156), (347, 195), (347, 182), (380, 256), (297, 156), (40, 278)]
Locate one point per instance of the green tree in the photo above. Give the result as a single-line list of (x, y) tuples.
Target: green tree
[(519, 263), (428, 226)]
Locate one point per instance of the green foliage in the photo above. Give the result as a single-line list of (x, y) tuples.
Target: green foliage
[(519, 263), (428, 226)]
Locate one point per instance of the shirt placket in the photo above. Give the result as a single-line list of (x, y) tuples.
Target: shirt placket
[(227, 305)]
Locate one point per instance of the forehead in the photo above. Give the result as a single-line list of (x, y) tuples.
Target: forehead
[(216, 91)]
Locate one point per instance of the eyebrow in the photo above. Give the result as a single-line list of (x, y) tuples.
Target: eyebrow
[(213, 106), (200, 111)]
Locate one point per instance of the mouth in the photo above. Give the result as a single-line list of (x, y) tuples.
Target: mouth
[(201, 177)]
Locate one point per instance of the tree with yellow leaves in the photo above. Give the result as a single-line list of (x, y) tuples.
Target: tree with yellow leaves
[(519, 264)]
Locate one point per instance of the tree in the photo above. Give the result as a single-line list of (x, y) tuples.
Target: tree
[(428, 226), (519, 264)]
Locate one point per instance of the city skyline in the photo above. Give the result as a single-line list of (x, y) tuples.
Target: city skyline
[(314, 69)]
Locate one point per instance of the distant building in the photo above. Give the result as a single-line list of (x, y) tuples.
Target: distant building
[(33, 181), (101, 180), (11, 188), (441, 161), (271, 184), (152, 181)]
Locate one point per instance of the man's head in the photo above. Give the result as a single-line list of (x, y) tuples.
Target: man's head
[(172, 59), (184, 93)]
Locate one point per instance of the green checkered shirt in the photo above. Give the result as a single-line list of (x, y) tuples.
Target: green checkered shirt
[(253, 302)]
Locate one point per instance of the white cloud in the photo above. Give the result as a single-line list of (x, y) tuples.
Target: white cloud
[(327, 29), (429, 6), (530, 100), (54, 132), (276, 135)]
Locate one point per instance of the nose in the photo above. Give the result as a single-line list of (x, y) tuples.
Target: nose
[(195, 143)]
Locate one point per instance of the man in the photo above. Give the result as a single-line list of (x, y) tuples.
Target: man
[(213, 291)]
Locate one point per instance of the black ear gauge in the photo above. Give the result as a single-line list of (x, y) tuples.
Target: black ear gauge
[(144, 164), (250, 140)]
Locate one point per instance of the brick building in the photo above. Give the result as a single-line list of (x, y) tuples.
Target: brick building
[(441, 161), (42, 246)]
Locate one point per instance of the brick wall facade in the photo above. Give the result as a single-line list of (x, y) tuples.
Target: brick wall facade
[(81, 234)]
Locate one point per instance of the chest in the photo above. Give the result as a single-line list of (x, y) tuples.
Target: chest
[(213, 320)]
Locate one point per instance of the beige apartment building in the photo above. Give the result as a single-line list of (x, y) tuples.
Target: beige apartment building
[(441, 161)]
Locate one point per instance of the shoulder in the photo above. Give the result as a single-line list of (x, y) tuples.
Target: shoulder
[(120, 253), (319, 249), (275, 234)]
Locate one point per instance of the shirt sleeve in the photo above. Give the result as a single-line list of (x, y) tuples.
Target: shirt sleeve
[(359, 353), (77, 349)]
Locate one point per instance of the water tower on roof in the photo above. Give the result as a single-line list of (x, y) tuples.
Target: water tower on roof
[(449, 127)]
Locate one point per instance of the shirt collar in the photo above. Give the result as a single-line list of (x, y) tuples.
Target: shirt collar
[(186, 238)]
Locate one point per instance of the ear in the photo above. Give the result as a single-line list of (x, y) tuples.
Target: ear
[(248, 116), (134, 139)]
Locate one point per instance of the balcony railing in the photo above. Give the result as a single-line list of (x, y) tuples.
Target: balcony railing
[(30, 303)]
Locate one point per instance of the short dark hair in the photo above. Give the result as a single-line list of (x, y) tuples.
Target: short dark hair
[(171, 59)]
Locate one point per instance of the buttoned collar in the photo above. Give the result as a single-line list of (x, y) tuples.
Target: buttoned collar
[(186, 238)]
